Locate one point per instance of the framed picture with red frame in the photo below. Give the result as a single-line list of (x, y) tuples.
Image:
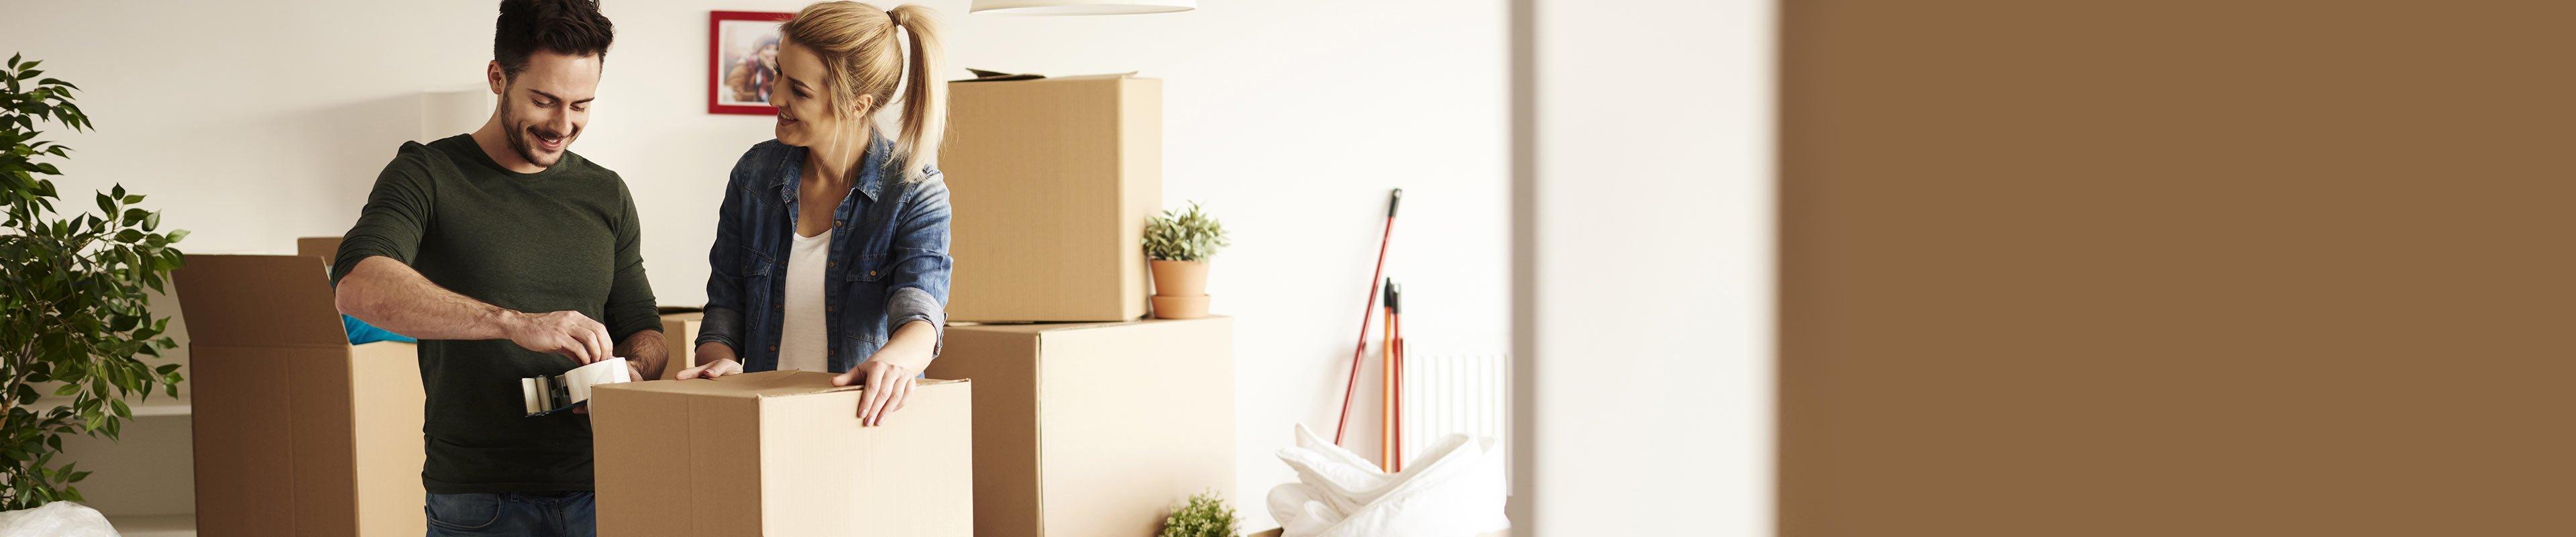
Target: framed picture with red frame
[(742, 55)]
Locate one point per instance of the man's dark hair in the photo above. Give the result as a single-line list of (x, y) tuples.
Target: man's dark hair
[(570, 27)]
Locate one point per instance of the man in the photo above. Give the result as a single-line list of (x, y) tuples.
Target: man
[(509, 257)]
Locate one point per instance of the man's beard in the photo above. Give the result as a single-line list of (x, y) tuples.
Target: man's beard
[(520, 140)]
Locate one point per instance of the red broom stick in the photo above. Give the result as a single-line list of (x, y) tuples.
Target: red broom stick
[(1352, 388)]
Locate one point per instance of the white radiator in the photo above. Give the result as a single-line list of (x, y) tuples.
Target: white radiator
[(1446, 394)]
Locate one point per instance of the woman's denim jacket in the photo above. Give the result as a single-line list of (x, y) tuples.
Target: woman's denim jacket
[(889, 256)]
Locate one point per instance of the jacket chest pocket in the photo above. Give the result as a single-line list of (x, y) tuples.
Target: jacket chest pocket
[(871, 269)]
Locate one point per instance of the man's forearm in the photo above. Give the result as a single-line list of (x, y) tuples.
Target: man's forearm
[(390, 295), (648, 353)]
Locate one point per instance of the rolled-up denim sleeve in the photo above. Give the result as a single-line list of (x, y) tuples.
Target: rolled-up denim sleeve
[(917, 287), (723, 320)]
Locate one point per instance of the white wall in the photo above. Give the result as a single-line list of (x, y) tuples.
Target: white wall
[(1643, 236), (252, 123)]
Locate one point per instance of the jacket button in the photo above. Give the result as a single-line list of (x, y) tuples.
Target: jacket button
[(829, 309), (872, 273), (832, 264), (773, 348)]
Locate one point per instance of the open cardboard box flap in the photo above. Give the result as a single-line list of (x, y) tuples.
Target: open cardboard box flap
[(323, 247), (258, 300)]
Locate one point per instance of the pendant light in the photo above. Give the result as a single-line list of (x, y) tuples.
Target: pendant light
[(1080, 7)]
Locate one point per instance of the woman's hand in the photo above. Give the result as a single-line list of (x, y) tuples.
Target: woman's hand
[(719, 367), (887, 385), (889, 374), (714, 360)]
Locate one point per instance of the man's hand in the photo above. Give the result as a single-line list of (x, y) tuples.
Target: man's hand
[(887, 386), (712, 369), (567, 333)]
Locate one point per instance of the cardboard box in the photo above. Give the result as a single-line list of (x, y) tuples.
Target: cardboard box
[(1095, 429), (780, 453), (323, 247), (295, 431), (679, 338), (1050, 182)]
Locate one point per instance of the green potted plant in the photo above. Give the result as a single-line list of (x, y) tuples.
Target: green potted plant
[(72, 297), (1205, 515), (1179, 243)]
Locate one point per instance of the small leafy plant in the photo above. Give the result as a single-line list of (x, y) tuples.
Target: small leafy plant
[(71, 300), (1206, 515), (1179, 235)]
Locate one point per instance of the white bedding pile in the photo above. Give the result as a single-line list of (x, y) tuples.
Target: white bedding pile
[(1454, 489), (57, 519)]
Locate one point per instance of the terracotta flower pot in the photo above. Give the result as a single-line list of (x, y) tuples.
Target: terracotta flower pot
[(1180, 278), (1180, 307), (1180, 289)]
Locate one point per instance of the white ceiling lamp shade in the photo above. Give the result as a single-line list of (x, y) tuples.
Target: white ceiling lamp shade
[(1080, 7)]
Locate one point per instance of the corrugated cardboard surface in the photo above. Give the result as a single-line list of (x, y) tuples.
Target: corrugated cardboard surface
[(1050, 183), (296, 432), (781, 453), (323, 247), (2284, 268), (1068, 443), (259, 301), (679, 338)]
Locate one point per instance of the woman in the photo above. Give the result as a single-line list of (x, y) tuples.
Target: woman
[(831, 249)]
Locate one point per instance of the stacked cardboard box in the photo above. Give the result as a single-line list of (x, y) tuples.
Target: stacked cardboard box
[(1051, 181), (679, 338), (1095, 428), (296, 431)]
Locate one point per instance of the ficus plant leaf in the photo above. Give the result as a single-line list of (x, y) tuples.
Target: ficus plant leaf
[(73, 294)]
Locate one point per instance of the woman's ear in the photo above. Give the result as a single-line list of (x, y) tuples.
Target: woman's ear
[(862, 105)]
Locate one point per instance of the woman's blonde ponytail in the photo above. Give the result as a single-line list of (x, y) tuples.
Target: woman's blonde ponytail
[(925, 98)]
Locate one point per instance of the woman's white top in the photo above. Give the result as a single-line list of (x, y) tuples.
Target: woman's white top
[(805, 343)]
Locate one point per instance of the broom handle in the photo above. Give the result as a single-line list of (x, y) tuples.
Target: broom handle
[(1386, 388), (1352, 387)]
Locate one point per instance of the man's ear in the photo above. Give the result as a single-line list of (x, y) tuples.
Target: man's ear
[(493, 76)]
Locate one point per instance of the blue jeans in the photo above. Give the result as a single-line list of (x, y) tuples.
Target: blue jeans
[(565, 514)]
